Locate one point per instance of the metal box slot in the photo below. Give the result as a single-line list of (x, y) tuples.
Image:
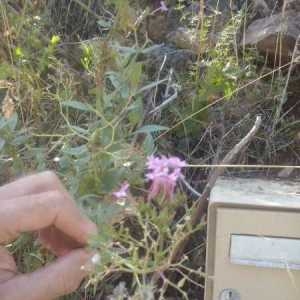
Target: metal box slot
[(265, 251)]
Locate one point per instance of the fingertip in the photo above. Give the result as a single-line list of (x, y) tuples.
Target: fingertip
[(90, 229), (67, 272)]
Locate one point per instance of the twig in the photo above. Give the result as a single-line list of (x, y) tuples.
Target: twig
[(244, 166), (169, 84), (190, 188), (284, 93), (150, 86), (167, 101), (201, 204), (158, 78)]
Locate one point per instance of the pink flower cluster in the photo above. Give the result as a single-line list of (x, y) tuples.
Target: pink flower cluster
[(163, 172)]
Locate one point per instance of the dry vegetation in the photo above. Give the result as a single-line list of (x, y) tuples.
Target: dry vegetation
[(91, 88)]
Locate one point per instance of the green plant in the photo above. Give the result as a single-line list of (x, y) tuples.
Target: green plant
[(218, 72), (79, 104)]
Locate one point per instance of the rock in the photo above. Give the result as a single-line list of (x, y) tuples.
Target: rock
[(265, 34), (166, 27), (293, 5), (212, 6), (160, 24), (263, 8), (183, 38), (157, 27), (178, 59)]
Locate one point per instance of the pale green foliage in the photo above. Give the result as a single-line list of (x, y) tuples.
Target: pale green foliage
[(141, 243), (221, 70), (79, 108)]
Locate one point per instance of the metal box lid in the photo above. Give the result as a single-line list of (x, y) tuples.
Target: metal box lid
[(256, 192)]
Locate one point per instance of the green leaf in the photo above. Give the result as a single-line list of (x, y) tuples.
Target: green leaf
[(77, 105), (111, 179), (124, 91), (152, 128), (76, 151), (135, 114), (12, 122), (114, 79), (6, 70), (2, 144), (105, 24), (134, 71), (3, 122), (20, 139), (80, 130), (149, 145), (106, 136), (119, 84), (82, 163), (107, 99), (103, 213), (65, 164)]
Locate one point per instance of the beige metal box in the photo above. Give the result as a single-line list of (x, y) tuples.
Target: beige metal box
[(253, 249)]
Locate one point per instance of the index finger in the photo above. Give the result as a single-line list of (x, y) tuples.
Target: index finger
[(37, 211)]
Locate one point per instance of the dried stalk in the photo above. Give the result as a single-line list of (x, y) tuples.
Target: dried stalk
[(201, 204)]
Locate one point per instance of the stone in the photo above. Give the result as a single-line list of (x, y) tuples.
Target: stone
[(183, 38), (178, 59), (266, 32), (263, 8), (160, 24)]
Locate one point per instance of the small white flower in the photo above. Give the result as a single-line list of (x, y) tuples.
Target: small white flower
[(56, 159), (127, 164), (187, 218), (121, 201)]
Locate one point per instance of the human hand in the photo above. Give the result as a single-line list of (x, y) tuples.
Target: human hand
[(39, 203)]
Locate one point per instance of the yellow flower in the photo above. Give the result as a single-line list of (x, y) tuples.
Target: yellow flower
[(19, 52), (55, 40)]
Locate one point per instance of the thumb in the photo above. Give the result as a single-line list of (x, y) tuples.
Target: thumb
[(57, 279)]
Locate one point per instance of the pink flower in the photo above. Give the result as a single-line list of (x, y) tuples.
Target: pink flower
[(163, 174), (123, 191), (163, 6), (175, 162)]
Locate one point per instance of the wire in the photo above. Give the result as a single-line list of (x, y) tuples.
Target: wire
[(244, 166)]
